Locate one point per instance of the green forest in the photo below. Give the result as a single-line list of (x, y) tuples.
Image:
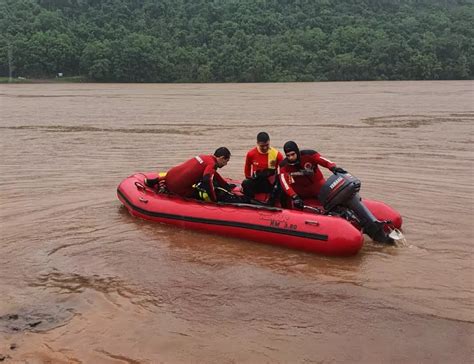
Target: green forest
[(237, 40)]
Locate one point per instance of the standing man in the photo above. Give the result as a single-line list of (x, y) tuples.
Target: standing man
[(299, 173), (260, 167), (198, 176)]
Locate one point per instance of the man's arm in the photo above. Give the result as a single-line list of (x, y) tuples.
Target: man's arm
[(279, 158), (285, 181), (319, 159), (220, 180), (248, 166), (208, 181)]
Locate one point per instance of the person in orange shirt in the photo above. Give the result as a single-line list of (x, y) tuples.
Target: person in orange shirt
[(260, 167)]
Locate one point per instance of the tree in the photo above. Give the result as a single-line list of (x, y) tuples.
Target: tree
[(238, 41)]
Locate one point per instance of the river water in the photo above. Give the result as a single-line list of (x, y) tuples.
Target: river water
[(81, 281)]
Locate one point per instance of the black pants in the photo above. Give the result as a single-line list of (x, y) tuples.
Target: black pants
[(256, 185), (222, 195)]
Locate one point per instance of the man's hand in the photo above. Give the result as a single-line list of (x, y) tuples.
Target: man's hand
[(230, 187), (336, 169), (298, 203), (264, 173)]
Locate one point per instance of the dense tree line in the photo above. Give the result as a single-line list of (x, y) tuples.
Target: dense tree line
[(238, 40)]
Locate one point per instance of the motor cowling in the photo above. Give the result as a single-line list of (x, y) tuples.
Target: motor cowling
[(343, 190), (338, 189)]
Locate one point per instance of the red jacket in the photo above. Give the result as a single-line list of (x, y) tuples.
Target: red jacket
[(309, 184), (256, 161), (180, 179)]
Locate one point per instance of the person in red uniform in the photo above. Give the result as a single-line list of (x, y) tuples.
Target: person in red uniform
[(198, 177), (260, 167), (299, 173)]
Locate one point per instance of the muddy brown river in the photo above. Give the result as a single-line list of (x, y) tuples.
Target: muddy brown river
[(82, 281)]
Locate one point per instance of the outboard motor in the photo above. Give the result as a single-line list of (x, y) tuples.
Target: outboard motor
[(343, 190)]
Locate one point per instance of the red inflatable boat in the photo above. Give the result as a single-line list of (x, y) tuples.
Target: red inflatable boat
[(329, 234)]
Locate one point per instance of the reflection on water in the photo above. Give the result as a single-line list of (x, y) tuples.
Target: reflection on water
[(103, 286)]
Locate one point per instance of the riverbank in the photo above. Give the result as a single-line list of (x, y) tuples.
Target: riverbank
[(73, 79)]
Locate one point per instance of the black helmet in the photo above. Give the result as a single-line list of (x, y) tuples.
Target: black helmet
[(291, 146)]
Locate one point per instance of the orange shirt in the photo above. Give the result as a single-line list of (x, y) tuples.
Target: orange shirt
[(256, 161)]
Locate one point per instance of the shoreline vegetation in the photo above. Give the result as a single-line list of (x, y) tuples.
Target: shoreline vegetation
[(73, 79), (210, 41), (83, 79)]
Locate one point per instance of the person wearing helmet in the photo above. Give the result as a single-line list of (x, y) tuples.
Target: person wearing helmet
[(260, 167), (299, 174), (198, 177)]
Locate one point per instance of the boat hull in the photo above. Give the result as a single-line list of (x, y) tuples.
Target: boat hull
[(328, 235)]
